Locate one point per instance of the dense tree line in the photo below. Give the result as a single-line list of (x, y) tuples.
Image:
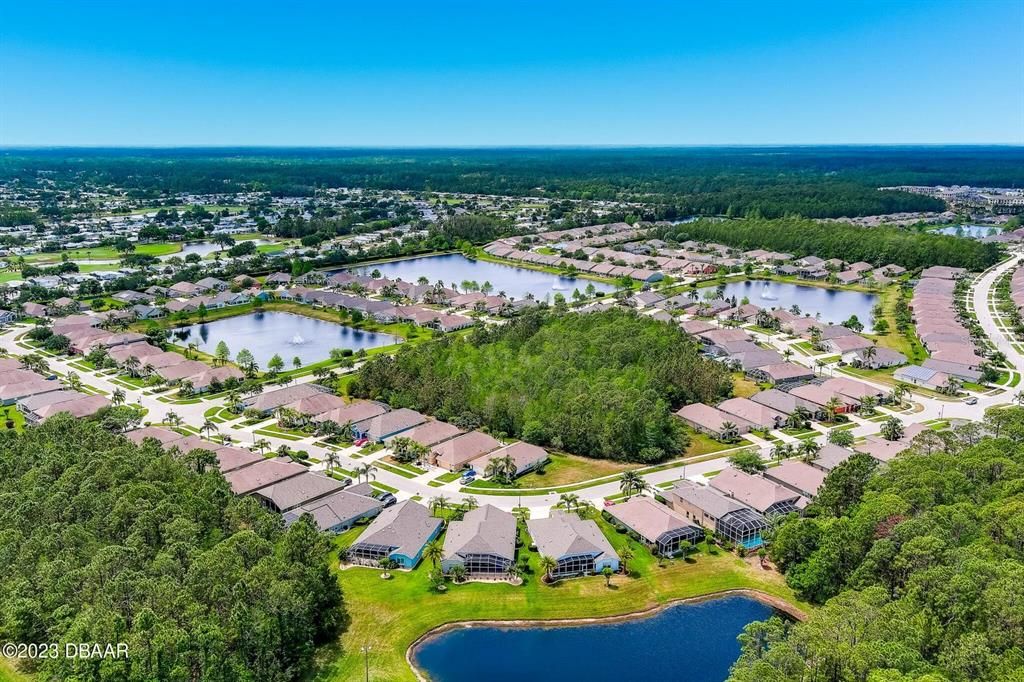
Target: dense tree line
[(876, 245), (599, 385), (105, 541), (920, 566), (815, 182)]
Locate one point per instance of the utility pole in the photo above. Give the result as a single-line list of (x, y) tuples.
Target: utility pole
[(366, 660)]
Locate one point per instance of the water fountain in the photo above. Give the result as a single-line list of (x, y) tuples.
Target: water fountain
[(766, 294), (297, 340)]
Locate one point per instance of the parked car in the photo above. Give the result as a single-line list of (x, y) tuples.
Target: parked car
[(971, 400)]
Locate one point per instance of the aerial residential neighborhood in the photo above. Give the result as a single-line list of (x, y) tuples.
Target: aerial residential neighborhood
[(408, 343)]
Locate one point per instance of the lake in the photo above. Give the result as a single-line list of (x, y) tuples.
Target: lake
[(695, 642), (835, 305), (514, 281), (206, 248), (285, 334), (970, 231)]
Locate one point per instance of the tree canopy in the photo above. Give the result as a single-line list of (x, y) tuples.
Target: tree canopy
[(875, 245), (920, 567), (105, 541), (600, 384)]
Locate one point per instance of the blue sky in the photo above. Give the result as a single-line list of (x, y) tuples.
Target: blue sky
[(525, 73)]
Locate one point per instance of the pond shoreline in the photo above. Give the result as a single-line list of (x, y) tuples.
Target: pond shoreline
[(763, 597)]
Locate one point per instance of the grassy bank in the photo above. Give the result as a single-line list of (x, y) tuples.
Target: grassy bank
[(389, 615)]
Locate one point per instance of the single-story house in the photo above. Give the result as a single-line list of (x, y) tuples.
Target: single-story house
[(271, 400), (954, 369), (760, 416), (352, 413), (660, 528), (12, 393), (456, 453), (846, 344), (717, 512), (759, 494), (337, 512), (712, 421), (389, 424), (261, 474), (577, 545), (781, 373), (294, 491), (398, 533), (483, 542), (817, 398), (799, 477), (526, 456), (830, 456), (431, 433), (879, 358), (922, 376)]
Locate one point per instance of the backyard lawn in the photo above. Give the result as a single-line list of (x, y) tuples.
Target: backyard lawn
[(389, 615)]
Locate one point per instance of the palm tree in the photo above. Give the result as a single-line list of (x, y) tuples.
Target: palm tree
[(262, 445), (367, 470), (625, 555), (438, 504), (132, 365), (832, 409), (208, 427), (470, 503), (74, 382), (118, 396), (808, 450), (433, 553), (632, 483), (585, 509), (332, 460), (547, 565), (386, 564), (173, 419), (568, 500), (781, 451), (869, 354), (513, 571)]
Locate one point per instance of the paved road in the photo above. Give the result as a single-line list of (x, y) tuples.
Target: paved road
[(930, 408)]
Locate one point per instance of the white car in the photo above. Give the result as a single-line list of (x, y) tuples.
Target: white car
[(971, 400)]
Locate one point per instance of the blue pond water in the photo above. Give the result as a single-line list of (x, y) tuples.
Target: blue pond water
[(288, 335), (454, 267), (686, 642), (834, 305), (970, 231)]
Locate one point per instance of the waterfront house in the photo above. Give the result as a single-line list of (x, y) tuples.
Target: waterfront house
[(761, 495), (398, 533), (577, 545), (657, 526), (483, 542), (717, 512)]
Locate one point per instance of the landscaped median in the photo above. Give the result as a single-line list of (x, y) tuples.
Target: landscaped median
[(389, 616)]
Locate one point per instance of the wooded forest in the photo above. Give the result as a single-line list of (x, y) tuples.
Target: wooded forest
[(105, 541), (599, 385), (675, 182), (875, 245), (920, 566)]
